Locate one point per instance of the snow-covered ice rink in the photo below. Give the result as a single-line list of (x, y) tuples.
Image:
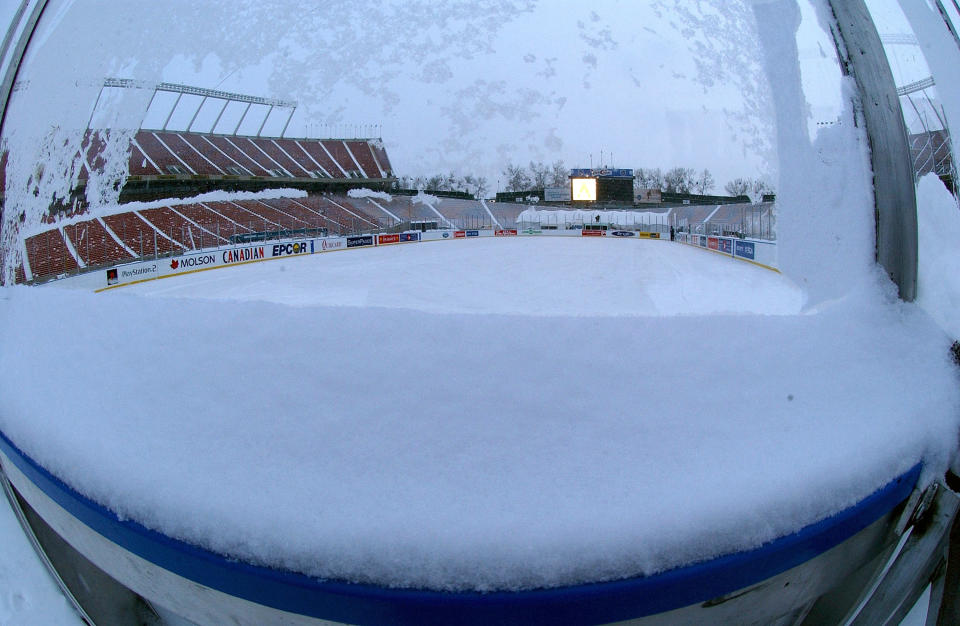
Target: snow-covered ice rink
[(546, 276), (480, 414)]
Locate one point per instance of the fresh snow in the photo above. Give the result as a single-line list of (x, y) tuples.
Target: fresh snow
[(434, 437), (209, 196), (938, 265), (28, 595), (547, 277), (414, 437), (369, 193)]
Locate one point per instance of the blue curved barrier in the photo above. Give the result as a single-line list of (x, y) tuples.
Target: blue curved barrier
[(370, 604)]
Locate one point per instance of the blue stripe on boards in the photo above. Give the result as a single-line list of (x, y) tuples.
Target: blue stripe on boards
[(369, 604)]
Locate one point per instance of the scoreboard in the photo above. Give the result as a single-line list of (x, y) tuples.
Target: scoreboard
[(601, 185), (583, 189)]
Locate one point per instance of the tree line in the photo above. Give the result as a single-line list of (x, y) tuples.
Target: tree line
[(688, 180), (477, 186), (538, 175)]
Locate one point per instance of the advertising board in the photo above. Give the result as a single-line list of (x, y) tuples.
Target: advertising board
[(506, 232), (556, 194), (702, 242), (648, 196), (332, 243), (134, 272), (713, 243), (242, 255), (385, 239), (407, 237), (358, 241), (436, 235), (593, 233), (460, 234), (291, 248), (646, 235), (623, 233), (193, 261), (745, 249), (473, 233), (601, 171), (725, 245)]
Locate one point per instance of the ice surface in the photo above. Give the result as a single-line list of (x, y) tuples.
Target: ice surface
[(543, 277), (465, 451)]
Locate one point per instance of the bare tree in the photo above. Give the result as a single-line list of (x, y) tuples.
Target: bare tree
[(759, 188), (648, 178), (481, 186), (703, 182), (678, 180), (517, 178), (737, 187), (539, 174), (558, 174)]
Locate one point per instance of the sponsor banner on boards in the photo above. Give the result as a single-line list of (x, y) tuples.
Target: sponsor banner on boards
[(745, 249), (725, 245), (133, 272), (333, 243), (646, 235), (623, 233), (713, 243), (593, 233), (294, 248), (460, 234), (702, 241), (505, 232), (406, 237), (387, 239), (358, 241), (193, 261), (473, 233), (240, 255)]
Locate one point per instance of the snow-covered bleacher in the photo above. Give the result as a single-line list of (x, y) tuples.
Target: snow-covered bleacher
[(134, 232), (190, 154)]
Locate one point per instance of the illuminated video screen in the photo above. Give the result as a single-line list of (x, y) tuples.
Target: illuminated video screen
[(583, 189)]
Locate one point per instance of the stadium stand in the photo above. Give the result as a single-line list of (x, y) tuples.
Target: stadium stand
[(94, 244), (183, 155), (48, 255), (165, 163)]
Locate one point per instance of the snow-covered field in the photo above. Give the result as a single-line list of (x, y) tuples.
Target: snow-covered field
[(367, 415), (551, 277)]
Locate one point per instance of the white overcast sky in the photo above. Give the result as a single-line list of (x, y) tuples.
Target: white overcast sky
[(464, 86)]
